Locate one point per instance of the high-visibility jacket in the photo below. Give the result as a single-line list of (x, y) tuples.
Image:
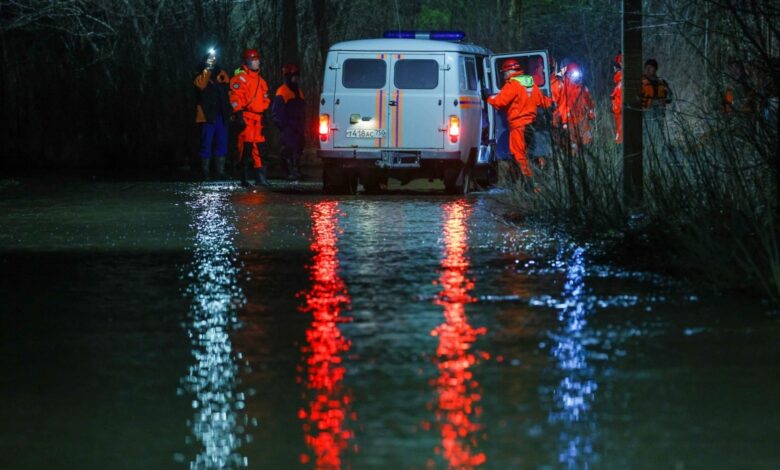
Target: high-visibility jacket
[(617, 105), (575, 103), (556, 91), (248, 91), (617, 93), (249, 95), (213, 98), (289, 113), (520, 97), (655, 92)]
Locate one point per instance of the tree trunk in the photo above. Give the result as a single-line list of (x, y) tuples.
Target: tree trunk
[(289, 31), (632, 104), (319, 10)]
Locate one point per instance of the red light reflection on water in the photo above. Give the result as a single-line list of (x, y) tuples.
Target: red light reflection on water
[(325, 418), (458, 391)]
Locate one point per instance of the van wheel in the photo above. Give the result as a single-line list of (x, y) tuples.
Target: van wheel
[(331, 180), (451, 176), (350, 182), (337, 181), (466, 180), (372, 184)]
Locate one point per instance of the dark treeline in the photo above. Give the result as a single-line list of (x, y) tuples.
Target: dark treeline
[(108, 83)]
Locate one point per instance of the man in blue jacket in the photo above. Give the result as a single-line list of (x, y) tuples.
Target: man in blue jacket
[(212, 113), (289, 113)]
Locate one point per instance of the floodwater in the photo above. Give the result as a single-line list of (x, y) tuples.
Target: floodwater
[(160, 325)]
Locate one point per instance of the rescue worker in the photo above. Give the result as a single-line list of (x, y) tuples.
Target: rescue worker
[(556, 88), (576, 109), (656, 94), (212, 113), (556, 91), (539, 71), (520, 97), (249, 99), (617, 98), (289, 112), (739, 98)]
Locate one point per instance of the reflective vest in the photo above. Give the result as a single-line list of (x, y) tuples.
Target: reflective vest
[(655, 92), (520, 97)]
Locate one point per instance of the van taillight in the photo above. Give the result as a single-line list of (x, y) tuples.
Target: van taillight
[(454, 128), (324, 126)]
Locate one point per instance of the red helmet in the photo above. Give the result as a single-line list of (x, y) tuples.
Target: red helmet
[(619, 60), (511, 64), (251, 54), (574, 72), (290, 69)]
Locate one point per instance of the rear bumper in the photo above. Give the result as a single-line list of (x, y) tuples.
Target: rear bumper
[(371, 154)]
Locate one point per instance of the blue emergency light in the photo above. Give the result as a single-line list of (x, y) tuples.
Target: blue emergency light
[(434, 35)]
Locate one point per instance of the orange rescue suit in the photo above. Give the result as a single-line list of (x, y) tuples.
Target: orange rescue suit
[(576, 110), (520, 97), (249, 95), (617, 105), (556, 91)]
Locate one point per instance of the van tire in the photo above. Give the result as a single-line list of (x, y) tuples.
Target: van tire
[(338, 181), (371, 181), (466, 180), (452, 173)]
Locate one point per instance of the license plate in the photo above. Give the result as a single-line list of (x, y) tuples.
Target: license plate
[(366, 133)]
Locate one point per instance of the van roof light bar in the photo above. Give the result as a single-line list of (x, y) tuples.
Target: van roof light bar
[(434, 35)]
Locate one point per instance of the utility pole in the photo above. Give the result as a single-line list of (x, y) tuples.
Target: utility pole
[(632, 104)]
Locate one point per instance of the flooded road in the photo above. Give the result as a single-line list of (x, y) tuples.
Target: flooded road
[(202, 326)]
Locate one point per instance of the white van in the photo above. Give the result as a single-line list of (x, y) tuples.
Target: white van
[(411, 106)]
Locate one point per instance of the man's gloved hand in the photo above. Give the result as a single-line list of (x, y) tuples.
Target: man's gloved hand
[(485, 93)]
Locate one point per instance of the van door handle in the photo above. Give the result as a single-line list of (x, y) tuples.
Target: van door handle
[(392, 103)]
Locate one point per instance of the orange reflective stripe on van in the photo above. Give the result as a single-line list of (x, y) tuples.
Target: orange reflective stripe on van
[(469, 102)]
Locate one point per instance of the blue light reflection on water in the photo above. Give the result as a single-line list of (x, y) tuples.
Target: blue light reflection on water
[(576, 391), (217, 424)]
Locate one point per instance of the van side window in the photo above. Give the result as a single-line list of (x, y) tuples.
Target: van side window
[(416, 74), (364, 73), (462, 74), (471, 73)]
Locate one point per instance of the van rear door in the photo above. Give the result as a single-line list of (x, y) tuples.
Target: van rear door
[(534, 63), (360, 102), (416, 104)]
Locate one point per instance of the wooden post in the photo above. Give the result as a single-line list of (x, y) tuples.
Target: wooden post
[(632, 104)]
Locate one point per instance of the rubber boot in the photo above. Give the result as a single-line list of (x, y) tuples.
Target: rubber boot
[(219, 168), (296, 165), (244, 172), (204, 168), (287, 160), (261, 178)]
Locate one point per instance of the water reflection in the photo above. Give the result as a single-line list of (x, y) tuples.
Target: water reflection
[(458, 408), (217, 423), (327, 415), (576, 391)]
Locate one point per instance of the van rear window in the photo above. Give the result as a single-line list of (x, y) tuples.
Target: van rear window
[(416, 74), (364, 73)]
